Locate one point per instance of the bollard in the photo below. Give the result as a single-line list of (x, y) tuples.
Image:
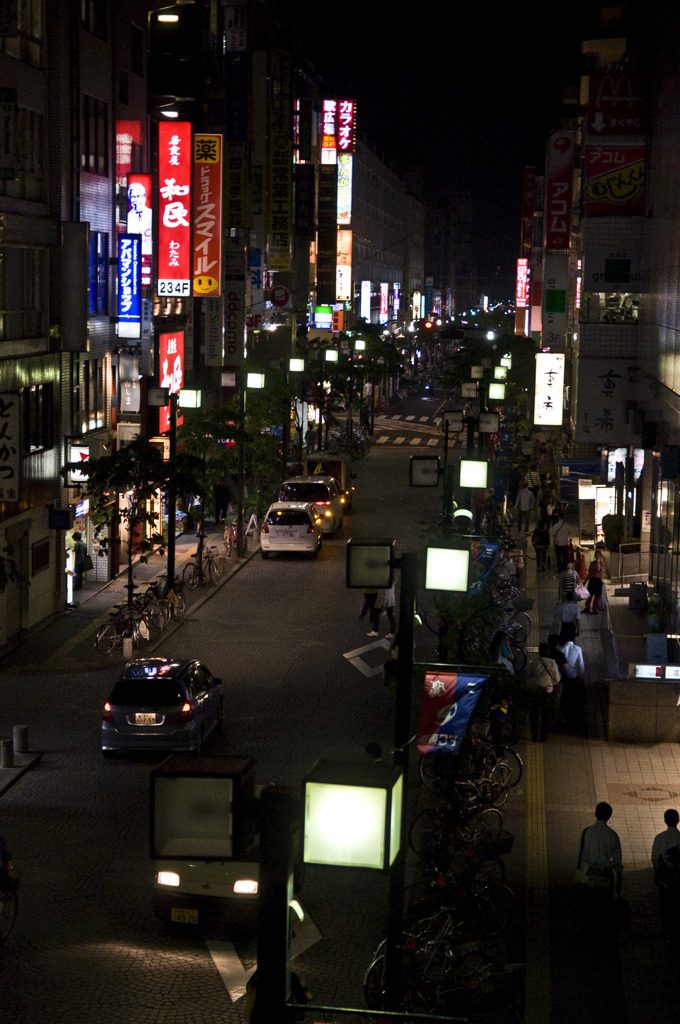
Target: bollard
[(6, 754), (20, 738), (127, 647)]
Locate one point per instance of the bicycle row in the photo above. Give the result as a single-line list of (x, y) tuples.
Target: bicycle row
[(143, 618), (455, 956)]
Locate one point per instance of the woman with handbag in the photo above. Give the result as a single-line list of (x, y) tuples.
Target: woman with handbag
[(594, 586), (79, 553)]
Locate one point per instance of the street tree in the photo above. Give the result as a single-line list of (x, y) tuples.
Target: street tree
[(123, 488)]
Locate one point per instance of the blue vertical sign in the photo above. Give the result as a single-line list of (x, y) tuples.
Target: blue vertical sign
[(129, 286)]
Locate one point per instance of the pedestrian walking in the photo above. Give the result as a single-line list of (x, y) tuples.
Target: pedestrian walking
[(666, 864), (567, 618), (543, 685), (540, 539), (569, 580), (310, 438), (524, 503), (594, 586), (79, 553), (560, 536), (572, 705), (599, 871), (369, 606), (389, 602), (221, 497)]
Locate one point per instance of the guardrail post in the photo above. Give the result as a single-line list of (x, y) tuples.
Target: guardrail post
[(6, 754), (20, 738)]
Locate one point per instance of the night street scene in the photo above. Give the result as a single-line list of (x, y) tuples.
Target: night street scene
[(339, 513)]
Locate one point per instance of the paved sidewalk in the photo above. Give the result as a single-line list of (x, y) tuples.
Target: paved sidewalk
[(572, 978), (66, 641)]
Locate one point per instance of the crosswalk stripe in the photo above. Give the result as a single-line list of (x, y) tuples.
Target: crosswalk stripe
[(424, 419), (383, 438), (408, 418), (399, 440), (414, 441)]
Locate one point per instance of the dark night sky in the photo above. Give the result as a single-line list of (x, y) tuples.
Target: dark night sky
[(468, 90)]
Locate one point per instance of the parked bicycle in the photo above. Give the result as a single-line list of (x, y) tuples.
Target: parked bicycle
[(173, 598), (126, 623), (205, 571)]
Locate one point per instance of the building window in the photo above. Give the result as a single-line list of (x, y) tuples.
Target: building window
[(21, 313), (94, 137), (93, 17), (99, 269), (37, 410), (22, 37), (93, 395), (29, 174)]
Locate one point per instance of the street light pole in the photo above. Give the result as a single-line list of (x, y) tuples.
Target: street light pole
[(402, 737), (171, 495)]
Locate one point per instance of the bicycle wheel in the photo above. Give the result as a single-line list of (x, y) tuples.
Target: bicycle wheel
[(191, 575), (9, 905), (512, 759), (521, 626), (214, 571), (374, 984), (484, 829), (228, 542), (157, 616), (105, 638), (178, 606), (140, 626)]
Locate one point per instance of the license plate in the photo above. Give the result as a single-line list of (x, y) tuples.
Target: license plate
[(144, 719), (183, 915)]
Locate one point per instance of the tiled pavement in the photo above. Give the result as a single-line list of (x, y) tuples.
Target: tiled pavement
[(570, 979)]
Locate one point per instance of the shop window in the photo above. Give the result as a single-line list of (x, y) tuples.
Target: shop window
[(613, 307), (94, 136), (37, 406)]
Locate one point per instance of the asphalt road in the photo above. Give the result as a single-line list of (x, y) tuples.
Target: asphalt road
[(299, 685)]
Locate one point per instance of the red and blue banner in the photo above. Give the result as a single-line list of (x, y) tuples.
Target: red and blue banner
[(446, 705)]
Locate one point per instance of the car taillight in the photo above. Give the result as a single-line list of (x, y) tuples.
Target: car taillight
[(311, 528), (322, 502), (265, 528), (106, 713), (187, 713)]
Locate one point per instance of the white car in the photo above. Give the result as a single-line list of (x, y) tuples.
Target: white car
[(291, 526)]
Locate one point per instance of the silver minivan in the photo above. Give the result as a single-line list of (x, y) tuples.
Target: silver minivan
[(322, 492)]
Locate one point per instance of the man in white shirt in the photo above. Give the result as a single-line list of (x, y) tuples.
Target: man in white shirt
[(601, 848), (572, 705), (666, 864), (567, 621)]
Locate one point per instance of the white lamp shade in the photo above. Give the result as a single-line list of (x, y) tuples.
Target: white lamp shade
[(255, 380), (496, 391), (349, 823), (473, 473), (500, 372), (296, 365), (331, 355), (447, 569)]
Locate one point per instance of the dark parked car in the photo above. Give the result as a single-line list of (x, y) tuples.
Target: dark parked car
[(161, 704)]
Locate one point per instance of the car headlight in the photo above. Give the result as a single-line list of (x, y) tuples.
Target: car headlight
[(167, 878), (245, 885)]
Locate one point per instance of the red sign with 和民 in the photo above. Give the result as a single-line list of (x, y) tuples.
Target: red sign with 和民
[(174, 208)]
